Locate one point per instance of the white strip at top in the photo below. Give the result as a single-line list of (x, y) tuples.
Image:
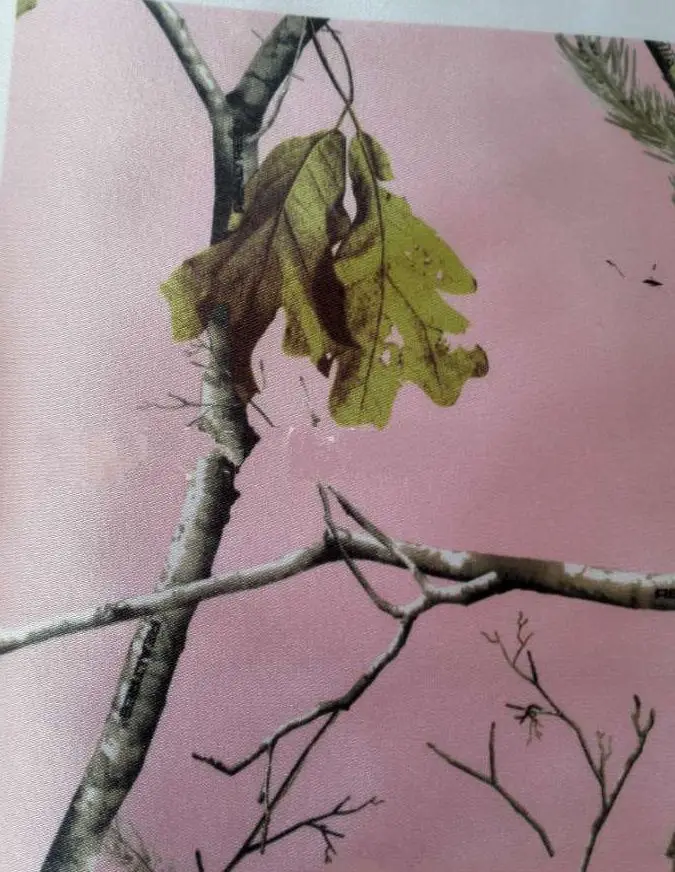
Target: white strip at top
[(647, 19)]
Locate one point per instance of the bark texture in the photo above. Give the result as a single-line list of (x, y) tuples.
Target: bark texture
[(159, 640)]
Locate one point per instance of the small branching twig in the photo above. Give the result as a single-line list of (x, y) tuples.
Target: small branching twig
[(253, 843), (492, 780), (319, 823), (406, 616), (532, 713), (260, 838), (608, 799)]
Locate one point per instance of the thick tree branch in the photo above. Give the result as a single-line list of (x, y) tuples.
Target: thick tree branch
[(650, 591), (158, 642), (175, 29), (272, 63)]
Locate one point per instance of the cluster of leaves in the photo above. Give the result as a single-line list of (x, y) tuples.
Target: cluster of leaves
[(610, 72), (362, 297)]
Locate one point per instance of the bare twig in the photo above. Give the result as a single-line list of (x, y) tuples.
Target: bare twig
[(608, 800), (262, 413), (319, 823), (265, 796), (381, 603), (251, 843), (347, 98), (492, 780), (327, 708), (532, 713), (348, 64), (376, 533)]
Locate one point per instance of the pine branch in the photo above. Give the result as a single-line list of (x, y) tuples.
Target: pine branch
[(664, 56), (609, 71)]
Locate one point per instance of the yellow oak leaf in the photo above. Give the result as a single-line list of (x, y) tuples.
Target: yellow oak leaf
[(394, 269)]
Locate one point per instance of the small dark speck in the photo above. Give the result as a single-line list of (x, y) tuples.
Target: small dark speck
[(614, 266), (653, 283)]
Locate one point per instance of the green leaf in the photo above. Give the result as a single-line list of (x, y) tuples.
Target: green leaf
[(24, 6), (280, 255), (394, 268)]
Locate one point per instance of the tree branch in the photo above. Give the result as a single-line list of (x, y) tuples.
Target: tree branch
[(272, 63), (319, 823), (272, 802), (649, 591), (159, 640), (176, 31), (331, 707)]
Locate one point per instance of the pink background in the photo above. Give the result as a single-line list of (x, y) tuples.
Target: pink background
[(564, 451)]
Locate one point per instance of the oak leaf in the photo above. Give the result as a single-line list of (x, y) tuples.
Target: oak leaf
[(394, 268), (279, 255)]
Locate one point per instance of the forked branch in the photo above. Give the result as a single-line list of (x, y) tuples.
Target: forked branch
[(492, 780), (532, 713), (330, 710)]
